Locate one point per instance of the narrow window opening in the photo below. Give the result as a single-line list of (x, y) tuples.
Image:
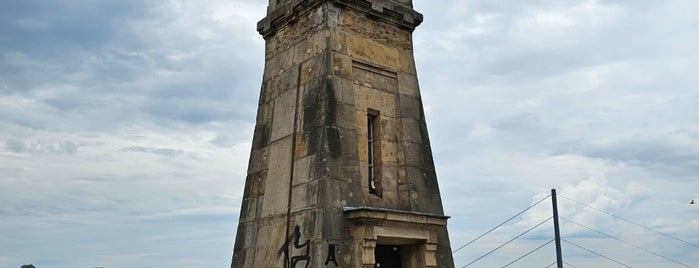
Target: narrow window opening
[(373, 151)]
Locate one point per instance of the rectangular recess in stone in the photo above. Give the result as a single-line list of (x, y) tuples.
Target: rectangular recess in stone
[(369, 51), (375, 69), (374, 77)]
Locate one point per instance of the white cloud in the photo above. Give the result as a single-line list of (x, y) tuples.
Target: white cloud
[(129, 121), (584, 96)]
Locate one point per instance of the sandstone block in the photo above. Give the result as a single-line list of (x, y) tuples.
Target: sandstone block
[(368, 98), (303, 170), (342, 65), (408, 84), (284, 109), (258, 161), (277, 184), (344, 90), (311, 47), (373, 52), (411, 130), (270, 234), (304, 196), (311, 69), (410, 107)]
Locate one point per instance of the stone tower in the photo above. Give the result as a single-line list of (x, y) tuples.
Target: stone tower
[(341, 171)]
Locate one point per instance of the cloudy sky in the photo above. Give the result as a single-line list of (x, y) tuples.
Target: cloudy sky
[(125, 128)]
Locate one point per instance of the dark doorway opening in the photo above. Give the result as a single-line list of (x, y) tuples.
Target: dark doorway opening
[(387, 256)]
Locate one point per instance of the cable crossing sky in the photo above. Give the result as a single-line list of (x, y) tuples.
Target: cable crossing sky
[(569, 240)]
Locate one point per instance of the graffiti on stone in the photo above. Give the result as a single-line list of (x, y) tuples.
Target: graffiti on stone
[(331, 255), (304, 248)]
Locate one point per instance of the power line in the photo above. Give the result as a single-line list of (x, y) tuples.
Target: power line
[(566, 263), (631, 222), (622, 241), (530, 252), (570, 264), (500, 225), (593, 252), (513, 239)]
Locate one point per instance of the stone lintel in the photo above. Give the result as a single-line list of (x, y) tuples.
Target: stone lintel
[(387, 11), (381, 216)]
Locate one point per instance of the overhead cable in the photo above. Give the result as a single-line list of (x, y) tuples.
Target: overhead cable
[(566, 263), (530, 252), (596, 253), (622, 241), (631, 222), (500, 225), (513, 239)]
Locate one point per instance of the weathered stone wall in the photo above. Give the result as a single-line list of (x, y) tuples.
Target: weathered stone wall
[(378, 60), (327, 64)]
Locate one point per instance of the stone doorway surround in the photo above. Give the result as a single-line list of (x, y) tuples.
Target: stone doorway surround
[(414, 232)]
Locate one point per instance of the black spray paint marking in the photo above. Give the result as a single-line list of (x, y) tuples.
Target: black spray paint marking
[(296, 237), (331, 255)]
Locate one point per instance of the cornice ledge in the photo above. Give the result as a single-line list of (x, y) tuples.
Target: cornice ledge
[(387, 11), (284, 15), (376, 215)]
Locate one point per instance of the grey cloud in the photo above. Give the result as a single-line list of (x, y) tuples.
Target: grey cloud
[(223, 140), (152, 150), (58, 148), (68, 104), (68, 147), (15, 146), (200, 111), (124, 62), (146, 65), (48, 28), (645, 152)]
